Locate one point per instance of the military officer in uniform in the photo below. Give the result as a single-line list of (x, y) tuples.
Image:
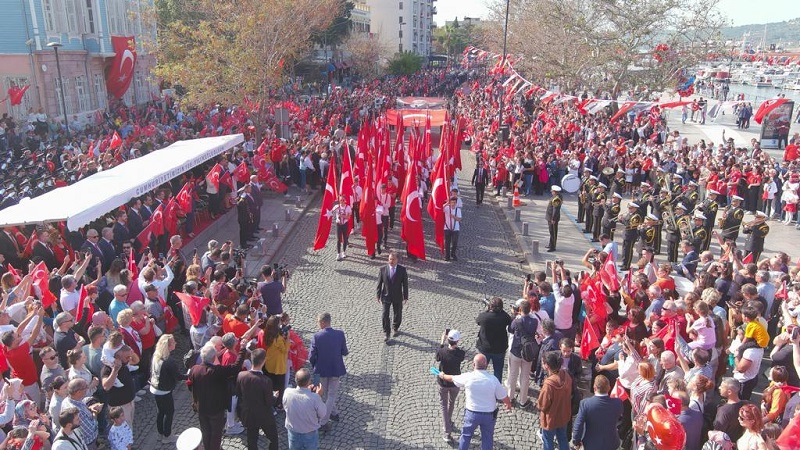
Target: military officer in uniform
[(676, 188), (583, 194), (647, 231), (690, 197), (591, 185), (632, 222), (756, 231), (699, 235), (732, 219), (598, 209), (675, 231), (662, 179), (618, 183), (662, 204), (553, 215), (646, 198), (709, 208), (611, 215)]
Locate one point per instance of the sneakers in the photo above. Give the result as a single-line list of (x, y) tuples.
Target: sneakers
[(339, 257), (447, 438), (237, 428), (344, 255)]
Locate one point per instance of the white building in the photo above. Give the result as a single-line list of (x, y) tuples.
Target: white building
[(403, 25), (360, 18)]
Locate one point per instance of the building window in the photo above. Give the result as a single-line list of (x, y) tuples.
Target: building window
[(117, 17), (88, 16), (82, 91), (401, 6), (67, 96), (71, 12), (50, 16), (401, 20), (400, 34), (100, 90)]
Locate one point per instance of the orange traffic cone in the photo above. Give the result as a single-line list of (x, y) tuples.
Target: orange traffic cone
[(516, 203)]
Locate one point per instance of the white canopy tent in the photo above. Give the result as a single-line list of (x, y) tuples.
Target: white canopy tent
[(81, 203)]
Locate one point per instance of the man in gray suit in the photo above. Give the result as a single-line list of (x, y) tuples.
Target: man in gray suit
[(595, 425)]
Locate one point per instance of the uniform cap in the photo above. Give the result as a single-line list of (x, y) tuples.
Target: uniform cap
[(652, 216), (603, 185), (681, 206), (617, 196), (760, 214), (555, 188), (736, 197), (633, 205), (699, 215), (712, 191)]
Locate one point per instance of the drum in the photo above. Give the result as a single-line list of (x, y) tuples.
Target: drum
[(683, 285), (570, 183)]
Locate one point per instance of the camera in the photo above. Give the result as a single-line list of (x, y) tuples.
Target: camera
[(280, 270), (238, 255), (559, 262), (285, 330)]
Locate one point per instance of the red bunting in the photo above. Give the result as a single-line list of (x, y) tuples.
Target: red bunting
[(767, 107)]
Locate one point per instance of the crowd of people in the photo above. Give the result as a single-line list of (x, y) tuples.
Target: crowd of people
[(690, 332), (90, 318)]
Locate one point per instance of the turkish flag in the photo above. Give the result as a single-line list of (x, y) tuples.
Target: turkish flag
[(347, 186), (609, 274), (619, 391), (133, 268), (16, 93), (262, 148), (154, 228), (326, 211), (411, 216), (439, 198), (194, 305), (782, 291), (242, 173), (673, 404), (369, 225), (767, 107), (84, 302), (214, 174), (226, 179), (456, 141), (589, 339), (748, 259), (790, 437), (41, 278), (171, 217), (594, 298), (115, 142), (668, 334), (184, 197), (272, 181), (120, 74), (15, 274), (622, 110)]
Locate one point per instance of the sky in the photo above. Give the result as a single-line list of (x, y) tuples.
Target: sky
[(740, 12)]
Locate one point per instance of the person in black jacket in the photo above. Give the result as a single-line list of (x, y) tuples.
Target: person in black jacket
[(211, 402), (492, 335), (164, 377)]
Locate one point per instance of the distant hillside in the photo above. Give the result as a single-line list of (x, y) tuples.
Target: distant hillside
[(779, 33)]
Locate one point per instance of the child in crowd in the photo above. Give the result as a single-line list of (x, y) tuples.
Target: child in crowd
[(120, 437), (755, 332)]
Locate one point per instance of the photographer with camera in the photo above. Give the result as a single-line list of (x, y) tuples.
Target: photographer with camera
[(524, 350), (272, 287), (492, 335)]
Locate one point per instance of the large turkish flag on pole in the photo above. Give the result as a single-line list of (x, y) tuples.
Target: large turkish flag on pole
[(412, 231), (120, 74), (369, 226), (439, 198), (326, 211)]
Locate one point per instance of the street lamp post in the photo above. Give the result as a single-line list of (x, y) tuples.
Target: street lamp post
[(55, 46), (502, 64)]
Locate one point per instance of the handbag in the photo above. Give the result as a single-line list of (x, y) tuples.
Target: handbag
[(170, 321)]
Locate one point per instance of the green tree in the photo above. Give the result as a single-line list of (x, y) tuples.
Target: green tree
[(230, 51), (405, 63), (339, 29)]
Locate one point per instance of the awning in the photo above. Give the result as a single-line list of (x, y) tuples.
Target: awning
[(81, 203)]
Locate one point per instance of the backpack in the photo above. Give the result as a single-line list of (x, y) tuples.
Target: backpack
[(190, 358), (530, 348)]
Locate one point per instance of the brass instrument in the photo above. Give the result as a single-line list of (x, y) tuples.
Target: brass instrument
[(723, 216), (668, 217), (751, 223), (685, 229)]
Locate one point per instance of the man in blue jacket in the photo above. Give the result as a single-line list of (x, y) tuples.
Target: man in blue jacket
[(595, 425), (328, 349)]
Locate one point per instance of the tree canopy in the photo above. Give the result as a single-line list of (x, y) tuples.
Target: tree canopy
[(405, 63)]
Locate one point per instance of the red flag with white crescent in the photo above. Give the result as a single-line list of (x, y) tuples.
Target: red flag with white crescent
[(133, 268), (369, 226), (184, 197), (214, 174), (326, 211), (767, 107), (84, 302), (439, 198), (194, 305), (589, 339), (14, 274), (619, 391), (242, 173), (412, 231), (41, 278), (120, 74)]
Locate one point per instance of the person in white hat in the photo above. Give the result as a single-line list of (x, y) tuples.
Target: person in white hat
[(598, 209), (732, 219), (756, 231), (632, 222), (698, 229), (553, 215), (676, 230), (585, 199), (449, 356), (611, 215)]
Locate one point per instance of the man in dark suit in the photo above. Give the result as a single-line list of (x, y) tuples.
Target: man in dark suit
[(10, 249), (121, 231), (595, 425), (480, 178), (254, 390), (42, 251), (106, 244), (135, 221), (688, 264), (392, 293), (92, 245), (328, 349), (255, 192)]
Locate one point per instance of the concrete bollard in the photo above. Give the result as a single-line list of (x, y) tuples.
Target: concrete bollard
[(288, 215), (275, 230), (525, 228), (510, 202), (535, 247), (517, 216), (299, 202)]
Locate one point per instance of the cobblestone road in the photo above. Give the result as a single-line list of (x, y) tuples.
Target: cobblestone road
[(388, 399)]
